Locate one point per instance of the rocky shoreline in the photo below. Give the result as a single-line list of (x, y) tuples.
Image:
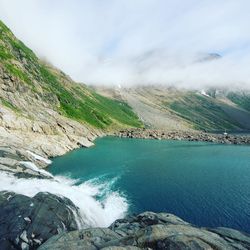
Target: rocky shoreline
[(181, 135), (149, 230)]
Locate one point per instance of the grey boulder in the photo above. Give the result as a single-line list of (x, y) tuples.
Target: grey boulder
[(28, 222)]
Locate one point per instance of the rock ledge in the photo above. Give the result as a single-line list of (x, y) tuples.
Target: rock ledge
[(149, 231)]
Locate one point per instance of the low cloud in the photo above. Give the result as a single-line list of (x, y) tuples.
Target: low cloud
[(130, 42)]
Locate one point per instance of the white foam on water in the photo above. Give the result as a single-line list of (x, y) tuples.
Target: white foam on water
[(40, 158), (94, 212), (32, 166)]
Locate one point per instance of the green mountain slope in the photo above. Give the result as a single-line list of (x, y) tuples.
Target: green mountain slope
[(37, 80), (203, 112), (30, 86), (174, 109), (242, 99)]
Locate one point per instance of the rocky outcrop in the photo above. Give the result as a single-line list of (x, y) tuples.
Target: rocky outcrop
[(28, 222), (23, 163), (183, 135), (49, 222), (49, 134), (149, 231), (28, 121)]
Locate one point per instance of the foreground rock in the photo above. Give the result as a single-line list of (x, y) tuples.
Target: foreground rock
[(149, 231), (28, 222), (183, 135)]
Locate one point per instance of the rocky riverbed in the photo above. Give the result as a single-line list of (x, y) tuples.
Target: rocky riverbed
[(182, 135)]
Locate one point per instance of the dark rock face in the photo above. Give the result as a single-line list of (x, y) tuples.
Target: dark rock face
[(149, 231), (48, 222), (28, 222)]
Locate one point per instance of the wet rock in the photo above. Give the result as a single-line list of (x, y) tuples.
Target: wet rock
[(92, 238), (23, 163), (121, 248), (28, 222), (149, 231)]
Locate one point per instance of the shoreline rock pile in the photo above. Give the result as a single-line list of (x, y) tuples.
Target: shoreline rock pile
[(182, 135)]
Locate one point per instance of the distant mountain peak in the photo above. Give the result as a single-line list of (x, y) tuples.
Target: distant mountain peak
[(209, 57)]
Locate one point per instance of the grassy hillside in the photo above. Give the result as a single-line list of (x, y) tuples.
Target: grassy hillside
[(203, 112), (174, 109), (41, 81), (241, 99)]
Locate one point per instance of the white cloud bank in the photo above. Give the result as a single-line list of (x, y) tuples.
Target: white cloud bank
[(130, 42)]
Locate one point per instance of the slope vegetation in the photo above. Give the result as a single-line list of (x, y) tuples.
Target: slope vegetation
[(35, 97), (172, 109), (54, 87)]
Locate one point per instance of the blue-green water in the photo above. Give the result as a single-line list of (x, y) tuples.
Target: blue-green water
[(205, 184)]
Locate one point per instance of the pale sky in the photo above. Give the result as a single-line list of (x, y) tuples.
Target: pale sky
[(131, 42)]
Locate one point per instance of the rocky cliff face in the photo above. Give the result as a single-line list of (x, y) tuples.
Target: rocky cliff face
[(43, 110)]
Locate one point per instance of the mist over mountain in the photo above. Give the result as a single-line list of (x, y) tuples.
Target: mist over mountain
[(140, 42)]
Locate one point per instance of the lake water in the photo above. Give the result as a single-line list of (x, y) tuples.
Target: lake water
[(203, 183)]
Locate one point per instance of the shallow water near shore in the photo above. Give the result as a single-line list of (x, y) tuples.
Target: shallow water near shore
[(203, 183)]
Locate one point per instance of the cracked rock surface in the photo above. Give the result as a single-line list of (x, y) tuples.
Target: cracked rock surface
[(28, 222), (149, 231)]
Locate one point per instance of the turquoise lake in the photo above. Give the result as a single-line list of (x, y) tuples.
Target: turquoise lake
[(205, 184)]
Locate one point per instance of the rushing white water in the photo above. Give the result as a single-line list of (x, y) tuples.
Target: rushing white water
[(94, 212), (33, 167), (40, 158)]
